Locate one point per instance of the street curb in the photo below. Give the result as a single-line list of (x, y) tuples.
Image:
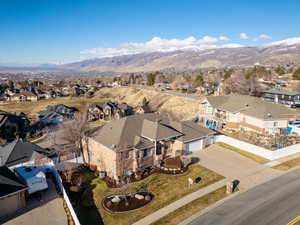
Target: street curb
[(220, 202)]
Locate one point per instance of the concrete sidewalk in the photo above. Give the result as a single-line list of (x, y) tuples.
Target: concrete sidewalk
[(179, 203)]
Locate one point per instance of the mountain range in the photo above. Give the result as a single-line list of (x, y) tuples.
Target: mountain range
[(281, 52), (273, 54)]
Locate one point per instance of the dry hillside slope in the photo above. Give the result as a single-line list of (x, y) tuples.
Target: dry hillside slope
[(182, 107)]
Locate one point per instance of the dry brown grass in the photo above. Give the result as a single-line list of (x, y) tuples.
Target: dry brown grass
[(182, 107), (288, 164), (32, 108)]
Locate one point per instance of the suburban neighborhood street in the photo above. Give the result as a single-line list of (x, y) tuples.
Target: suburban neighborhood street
[(276, 202)]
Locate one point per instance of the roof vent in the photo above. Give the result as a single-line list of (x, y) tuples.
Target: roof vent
[(28, 169), (269, 115)]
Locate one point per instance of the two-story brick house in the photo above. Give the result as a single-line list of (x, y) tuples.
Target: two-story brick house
[(242, 112)]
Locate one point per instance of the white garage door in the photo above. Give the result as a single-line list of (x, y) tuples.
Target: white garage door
[(194, 146)]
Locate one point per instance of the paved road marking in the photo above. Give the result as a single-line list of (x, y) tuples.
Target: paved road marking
[(294, 221)]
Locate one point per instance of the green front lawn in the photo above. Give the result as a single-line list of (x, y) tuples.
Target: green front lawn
[(166, 189)]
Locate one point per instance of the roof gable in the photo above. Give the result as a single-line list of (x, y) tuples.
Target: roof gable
[(9, 182), (18, 152)]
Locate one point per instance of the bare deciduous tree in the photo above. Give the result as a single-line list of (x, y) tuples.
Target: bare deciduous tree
[(74, 131), (170, 115)]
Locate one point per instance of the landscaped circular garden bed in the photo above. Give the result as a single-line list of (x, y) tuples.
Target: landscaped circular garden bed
[(124, 203)]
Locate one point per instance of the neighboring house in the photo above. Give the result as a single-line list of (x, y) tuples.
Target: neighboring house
[(109, 110), (33, 177), (19, 153), (290, 98), (243, 112), (24, 96), (145, 108), (13, 125), (12, 192), (141, 141), (53, 115), (95, 112)]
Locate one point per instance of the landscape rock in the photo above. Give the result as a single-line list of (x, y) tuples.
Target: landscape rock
[(139, 197), (116, 199)]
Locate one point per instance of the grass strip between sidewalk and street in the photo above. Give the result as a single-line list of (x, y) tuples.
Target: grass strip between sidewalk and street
[(249, 155), (288, 164), (193, 207)]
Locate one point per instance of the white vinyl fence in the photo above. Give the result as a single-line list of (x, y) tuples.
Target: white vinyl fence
[(65, 195), (257, 150)]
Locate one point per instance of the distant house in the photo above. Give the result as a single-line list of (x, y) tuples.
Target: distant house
[(12, 192), (291, 98), (54, 115), (130, 144), (102, 110), (24, 96), (19, 153), (243, 112)]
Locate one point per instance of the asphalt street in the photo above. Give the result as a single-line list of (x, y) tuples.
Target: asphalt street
[(276, 202)]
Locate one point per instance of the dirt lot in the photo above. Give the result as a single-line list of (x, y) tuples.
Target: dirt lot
[(31, 108), (182, 107)]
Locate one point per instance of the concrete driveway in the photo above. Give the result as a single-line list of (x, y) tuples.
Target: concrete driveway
[(233, 166), (47, 211)]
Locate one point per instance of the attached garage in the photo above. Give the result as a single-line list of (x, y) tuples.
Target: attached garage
[(195, 137), (194, 146), (12, 192), (197, 145)]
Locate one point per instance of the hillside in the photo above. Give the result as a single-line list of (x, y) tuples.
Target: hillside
[(183, 108), (280, 53)]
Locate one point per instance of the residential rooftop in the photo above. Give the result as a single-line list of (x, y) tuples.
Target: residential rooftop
[(139, 131), (251, 106), (281, 92), (9, 182)]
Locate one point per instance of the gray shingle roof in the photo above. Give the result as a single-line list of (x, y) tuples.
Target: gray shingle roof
[(137, 131), (280, 92), (191, 130), (9, 182), (18, 151), (155, 130), (251, 106)]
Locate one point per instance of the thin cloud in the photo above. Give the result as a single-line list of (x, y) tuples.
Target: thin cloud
[(244, 36), (223, 38), (262, 36), (158, 44)]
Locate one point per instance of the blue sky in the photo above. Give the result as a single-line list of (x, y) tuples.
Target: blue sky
[(42, 31)]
